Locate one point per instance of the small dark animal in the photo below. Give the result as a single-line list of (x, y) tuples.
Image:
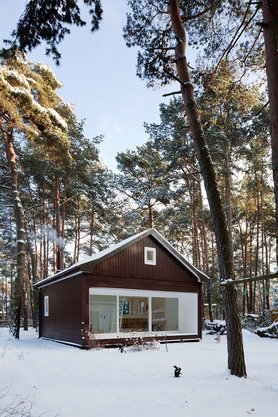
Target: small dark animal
[(177, 371), (122, 349)]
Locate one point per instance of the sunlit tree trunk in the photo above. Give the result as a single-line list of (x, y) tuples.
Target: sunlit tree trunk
[(58, 224), (92, 228), (236, 362), (270, 18), (20, 235)]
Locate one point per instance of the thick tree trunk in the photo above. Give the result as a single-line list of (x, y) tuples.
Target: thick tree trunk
[(20, 235), (236, 362), (270, 17)]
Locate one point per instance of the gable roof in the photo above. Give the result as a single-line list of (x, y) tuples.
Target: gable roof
[(89, 263)]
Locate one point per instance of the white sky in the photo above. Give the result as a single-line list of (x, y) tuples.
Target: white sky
[(98, 73)]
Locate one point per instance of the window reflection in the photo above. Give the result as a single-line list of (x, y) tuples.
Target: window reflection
[(103, 313), (133, 314), (164, 314)]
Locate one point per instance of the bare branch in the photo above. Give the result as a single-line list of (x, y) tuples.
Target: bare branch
[(252, 47), (198, 14), (177, 78), (171, 94), (243, 280), (69, 199), (258, 112), (235, 37)]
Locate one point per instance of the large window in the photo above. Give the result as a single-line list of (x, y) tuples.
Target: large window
[(164, 314), (118, 311), (103, 313), (133, 314)]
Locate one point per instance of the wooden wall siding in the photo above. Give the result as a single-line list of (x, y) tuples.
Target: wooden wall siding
[(65, 311), (130, 264), (140, 284)]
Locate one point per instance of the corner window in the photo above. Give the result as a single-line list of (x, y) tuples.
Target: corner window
[(150, 256), (46, 306)]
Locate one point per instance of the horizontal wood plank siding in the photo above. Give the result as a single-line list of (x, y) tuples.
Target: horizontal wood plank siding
[(64, 322)]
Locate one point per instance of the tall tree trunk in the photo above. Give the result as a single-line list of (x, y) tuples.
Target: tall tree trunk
[(92, 228), (236, 362), (270, 17), (32, 280), (194, 229), (63, 223), (151, 219), (58, 224), (251, 304), (45, 254), (20, 236), (228, 190), (25, 304)]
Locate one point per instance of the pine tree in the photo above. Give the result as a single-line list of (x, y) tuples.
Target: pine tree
[(144, 180), (49, 20), (28, 105), (156, 32)]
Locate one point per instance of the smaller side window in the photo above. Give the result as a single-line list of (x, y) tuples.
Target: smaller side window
[(46, 306), (150, 256)]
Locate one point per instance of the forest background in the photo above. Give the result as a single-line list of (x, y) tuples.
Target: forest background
[(56, 189)]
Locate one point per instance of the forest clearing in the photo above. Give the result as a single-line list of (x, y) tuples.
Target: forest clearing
[(181, 228), (43, 378)]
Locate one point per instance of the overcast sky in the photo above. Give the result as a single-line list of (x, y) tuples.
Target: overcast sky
[(98, 73)]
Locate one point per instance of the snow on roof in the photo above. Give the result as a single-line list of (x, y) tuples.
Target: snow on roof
[(125, 243)]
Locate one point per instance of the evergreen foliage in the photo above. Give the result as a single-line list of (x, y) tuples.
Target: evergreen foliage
[(49, 21)]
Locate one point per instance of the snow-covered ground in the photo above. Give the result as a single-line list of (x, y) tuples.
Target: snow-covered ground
[(44, 378)]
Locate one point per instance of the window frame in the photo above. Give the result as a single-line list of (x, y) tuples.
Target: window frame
[(46, 305), (149, 261), (188, 310)]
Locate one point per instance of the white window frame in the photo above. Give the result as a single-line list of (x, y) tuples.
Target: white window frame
[(153, 260), (187, 310), (46, 306)]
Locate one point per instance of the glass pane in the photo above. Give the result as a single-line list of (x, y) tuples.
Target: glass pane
[(164, 314), (103, 313), (133, 314), (149, 255)]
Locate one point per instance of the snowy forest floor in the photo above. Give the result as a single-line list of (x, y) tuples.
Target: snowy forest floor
[(44, 378)]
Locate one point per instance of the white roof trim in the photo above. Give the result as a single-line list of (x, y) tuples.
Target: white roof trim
[(125, 242)]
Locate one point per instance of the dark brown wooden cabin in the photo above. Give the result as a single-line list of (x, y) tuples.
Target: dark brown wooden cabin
[(139, 287)]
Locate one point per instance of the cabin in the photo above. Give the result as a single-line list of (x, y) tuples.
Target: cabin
[(140, 287)]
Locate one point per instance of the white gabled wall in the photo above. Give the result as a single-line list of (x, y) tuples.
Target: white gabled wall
[(188, 313)]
